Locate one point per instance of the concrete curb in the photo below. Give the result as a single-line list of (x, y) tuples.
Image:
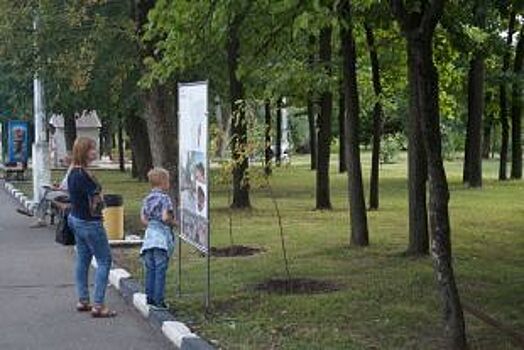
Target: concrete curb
[(19, 196), (176, 332)]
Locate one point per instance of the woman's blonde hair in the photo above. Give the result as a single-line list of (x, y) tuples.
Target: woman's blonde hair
[(157, 176), (81, 150)]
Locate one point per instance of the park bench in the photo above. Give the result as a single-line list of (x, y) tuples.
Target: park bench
[(14, 171)]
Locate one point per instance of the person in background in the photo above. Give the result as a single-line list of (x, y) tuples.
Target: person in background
[(56, 192), (85, 219), (158, 216)]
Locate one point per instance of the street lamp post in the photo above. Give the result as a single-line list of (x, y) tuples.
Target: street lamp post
[(41, 164)]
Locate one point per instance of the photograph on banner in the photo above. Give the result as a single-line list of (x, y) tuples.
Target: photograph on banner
[(18, 141), (193, 173)]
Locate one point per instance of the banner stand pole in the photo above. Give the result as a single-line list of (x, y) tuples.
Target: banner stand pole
[(179, 267), (208, 255), (179, 210)]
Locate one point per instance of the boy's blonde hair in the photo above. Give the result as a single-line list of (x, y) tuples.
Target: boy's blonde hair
[(157, 176)]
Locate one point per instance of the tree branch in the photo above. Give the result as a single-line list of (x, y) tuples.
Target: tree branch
[(431, 16)]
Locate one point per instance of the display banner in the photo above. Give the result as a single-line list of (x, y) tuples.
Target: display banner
[(18, 141), (193, 160), (1, 142)]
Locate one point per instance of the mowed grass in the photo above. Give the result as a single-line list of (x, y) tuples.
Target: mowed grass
[(385, 301)]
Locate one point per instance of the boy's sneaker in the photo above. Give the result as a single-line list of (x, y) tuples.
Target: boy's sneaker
[(160, 307), (150, 302)]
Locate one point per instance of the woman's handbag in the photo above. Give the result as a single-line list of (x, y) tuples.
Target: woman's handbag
[(64, 234), (96, 200)]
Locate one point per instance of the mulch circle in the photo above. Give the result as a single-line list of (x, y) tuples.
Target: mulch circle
[(297, 286), (234, 250)]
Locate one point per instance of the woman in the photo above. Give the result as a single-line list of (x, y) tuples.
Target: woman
[(86, 221)]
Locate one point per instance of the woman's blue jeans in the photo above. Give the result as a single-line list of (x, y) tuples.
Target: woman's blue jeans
[(156, 262), (91, 240)]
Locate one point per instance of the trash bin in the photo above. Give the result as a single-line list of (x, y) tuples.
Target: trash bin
[(114, 216)]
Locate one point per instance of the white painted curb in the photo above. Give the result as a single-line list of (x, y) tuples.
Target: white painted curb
[(176, 332), (116, 275), (139, 300)]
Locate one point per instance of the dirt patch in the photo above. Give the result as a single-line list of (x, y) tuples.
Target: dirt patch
[(297, 286), (234, 250)]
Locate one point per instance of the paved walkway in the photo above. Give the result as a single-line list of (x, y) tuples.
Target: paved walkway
[(37, 297)]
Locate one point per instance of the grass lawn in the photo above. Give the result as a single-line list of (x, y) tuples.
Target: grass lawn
[(385, 301)]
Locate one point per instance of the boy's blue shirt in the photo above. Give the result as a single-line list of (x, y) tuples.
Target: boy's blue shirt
[(158, 234)]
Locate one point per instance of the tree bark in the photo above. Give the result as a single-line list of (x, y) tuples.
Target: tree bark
[(323, 196), (417, 166), (278, 131), (472, 172), (136, 129), (238, 121), (69, 131), (267, 148), (160, 109), (516, 110), (342, 164), (357, 205), (311, 115), (486, 137), (503, 102), (134, 170), (121, 150), (106, 138), (419, 30), (162, 127), (312, 132), (377, 119)]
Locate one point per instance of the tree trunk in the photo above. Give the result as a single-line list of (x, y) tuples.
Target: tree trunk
[(313, 144), (439, 198), (136, 129), (106, 138), (357, 205), (472, 172), (223, 121), (121, 151), (342, 164), (162, 127), (160, 109), (486, 136), (419, 30), (69, 131), (238, 122), (312, 132), (516, 110), (278, 131), (377, 119), (504, 142), (324, 125), (417, 167), (268, 150), (134, 170)]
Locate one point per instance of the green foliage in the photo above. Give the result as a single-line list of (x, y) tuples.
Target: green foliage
[(452, 138), (83, 51), (391, 145)]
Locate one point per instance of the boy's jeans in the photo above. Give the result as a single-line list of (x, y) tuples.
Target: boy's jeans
[(91, 240), (156, 262)]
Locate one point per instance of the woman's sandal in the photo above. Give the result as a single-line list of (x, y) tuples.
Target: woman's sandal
[(102, 312), (83, 306)]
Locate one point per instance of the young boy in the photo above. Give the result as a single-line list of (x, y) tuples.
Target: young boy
[(158, 216)]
